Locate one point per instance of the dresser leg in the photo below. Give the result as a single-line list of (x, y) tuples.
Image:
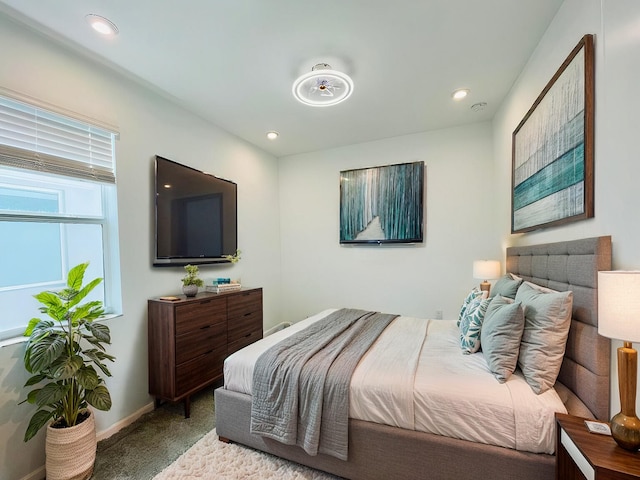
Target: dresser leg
[(187, 407)]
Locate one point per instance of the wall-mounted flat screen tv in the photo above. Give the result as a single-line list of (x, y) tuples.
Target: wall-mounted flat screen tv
[(195, 216), (382, 204)]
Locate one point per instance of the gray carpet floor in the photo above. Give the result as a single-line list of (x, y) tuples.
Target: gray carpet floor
[(143, 449)]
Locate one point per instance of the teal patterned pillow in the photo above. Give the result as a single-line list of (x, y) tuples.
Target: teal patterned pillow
[(471, 324), (473, 294)]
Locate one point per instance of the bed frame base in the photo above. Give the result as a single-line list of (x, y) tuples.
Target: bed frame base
[(383, 452)]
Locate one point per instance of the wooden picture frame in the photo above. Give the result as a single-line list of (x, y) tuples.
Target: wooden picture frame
[(553, 148)]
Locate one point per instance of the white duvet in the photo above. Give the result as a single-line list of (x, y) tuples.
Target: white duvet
[(416, 377)]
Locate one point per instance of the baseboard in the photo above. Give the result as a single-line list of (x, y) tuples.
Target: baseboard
[(38, 474), (277, 328), (116, 427)]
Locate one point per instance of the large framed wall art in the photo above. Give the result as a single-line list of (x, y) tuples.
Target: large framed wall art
[(382, 204), (552, 148)]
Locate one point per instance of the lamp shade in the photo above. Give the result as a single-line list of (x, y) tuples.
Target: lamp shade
[(619, 305), (486, 269)]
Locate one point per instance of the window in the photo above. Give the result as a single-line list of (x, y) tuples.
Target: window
[(57, 209)]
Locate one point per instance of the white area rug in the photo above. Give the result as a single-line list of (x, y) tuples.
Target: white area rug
[(213, 459)]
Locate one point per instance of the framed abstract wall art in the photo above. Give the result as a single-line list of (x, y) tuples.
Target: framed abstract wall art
[(382, 204), (552, 148)]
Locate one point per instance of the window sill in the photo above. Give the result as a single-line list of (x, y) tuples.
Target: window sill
[(21, 339)]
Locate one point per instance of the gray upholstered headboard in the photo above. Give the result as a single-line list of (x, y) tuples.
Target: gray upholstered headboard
[(573, 265)]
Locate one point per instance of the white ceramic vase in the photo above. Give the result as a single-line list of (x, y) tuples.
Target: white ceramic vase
[(190, 290)]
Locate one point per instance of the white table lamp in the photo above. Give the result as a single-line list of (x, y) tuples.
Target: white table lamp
[(619, 318), (486, 270)]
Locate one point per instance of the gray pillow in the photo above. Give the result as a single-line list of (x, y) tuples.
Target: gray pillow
[(500, 336), (507, 286), (546, 328)]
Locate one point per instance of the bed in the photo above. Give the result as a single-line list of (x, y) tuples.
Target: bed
[(383, 451)]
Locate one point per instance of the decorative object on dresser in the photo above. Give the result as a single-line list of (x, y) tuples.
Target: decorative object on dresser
[(486, 270), (190, 338), (552, 148), (619, 314), (191, 282), (581, 454)]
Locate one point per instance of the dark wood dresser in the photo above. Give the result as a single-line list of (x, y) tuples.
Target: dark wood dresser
[(190, 338)]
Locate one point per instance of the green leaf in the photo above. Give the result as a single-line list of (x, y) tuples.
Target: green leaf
[(41, 354), (50, 300), (32, 395), (80, 294), (89, 311), (99, 398), (75, 276), (30, 326), (35, 379), (39, 420), (88, 378), (100, 331), (51, 393), (66, 367)]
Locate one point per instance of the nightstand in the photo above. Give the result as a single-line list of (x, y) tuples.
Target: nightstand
[(583, 455)]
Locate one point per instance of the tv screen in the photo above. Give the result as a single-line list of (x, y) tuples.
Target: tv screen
[(196, 216)]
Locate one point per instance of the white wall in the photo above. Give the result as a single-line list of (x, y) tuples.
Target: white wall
[(148, 125), (617, 169), (416, 280)]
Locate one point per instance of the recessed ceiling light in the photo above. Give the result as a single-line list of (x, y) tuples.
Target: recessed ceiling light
[(460, 93), (102, 25), (322, 86), (272, 135)]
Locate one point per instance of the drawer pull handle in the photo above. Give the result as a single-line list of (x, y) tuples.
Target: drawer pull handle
[(247, 335), (205, 327), (247, 314)]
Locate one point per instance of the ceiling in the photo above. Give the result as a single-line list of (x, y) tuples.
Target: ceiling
[(233, 62)]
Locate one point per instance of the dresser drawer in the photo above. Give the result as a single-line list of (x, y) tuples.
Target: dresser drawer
[(197, 342), (241, 327), (244, 302), (248, 339), (195, 315), (199, 371)]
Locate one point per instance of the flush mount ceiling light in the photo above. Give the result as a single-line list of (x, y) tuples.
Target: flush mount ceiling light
[(322, 86), (460, 93), (272, 135), (101, 25)]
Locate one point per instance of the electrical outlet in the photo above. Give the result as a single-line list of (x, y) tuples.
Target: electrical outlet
[(438, 314)]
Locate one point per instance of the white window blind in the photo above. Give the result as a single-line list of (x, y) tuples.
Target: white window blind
[(35, 139)]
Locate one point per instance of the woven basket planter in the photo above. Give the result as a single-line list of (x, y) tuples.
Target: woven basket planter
[(71, 452)]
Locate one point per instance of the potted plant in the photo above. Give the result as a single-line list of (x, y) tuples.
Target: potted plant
[(191, 281), (235, 257), (62, 354)]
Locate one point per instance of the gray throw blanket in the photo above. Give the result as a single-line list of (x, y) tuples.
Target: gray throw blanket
[(301, 385)]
